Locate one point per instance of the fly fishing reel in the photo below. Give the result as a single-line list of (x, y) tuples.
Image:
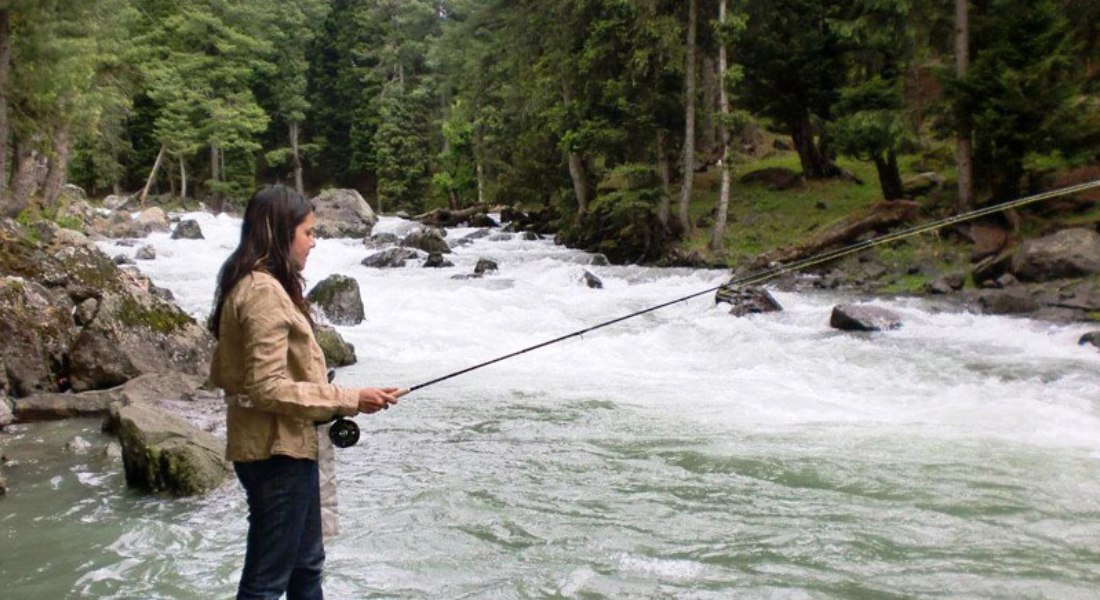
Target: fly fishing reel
[(344, 433)]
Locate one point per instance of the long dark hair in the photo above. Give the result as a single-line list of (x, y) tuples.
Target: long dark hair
[(272, 215)]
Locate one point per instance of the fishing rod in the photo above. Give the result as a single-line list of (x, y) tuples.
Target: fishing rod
[(760, 277)]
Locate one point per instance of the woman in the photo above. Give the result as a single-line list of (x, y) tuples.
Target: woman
[(274, 376)]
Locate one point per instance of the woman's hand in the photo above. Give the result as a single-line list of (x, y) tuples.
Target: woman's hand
[(372, 400)]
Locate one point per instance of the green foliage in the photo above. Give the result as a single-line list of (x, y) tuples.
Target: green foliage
[(403, 151), (622, 221), (1023, 92)]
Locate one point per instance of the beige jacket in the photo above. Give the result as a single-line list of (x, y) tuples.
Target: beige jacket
[(273, 373)]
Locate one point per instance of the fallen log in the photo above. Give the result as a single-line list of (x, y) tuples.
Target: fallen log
[(446, 217), (878, 217)]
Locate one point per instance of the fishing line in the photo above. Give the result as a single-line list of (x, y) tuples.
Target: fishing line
[(755, 279)]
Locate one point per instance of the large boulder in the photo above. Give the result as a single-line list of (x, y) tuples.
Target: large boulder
[(342, 213), (338, 353), (120, 224), (860, 317), (1068, 253), (164, 453), (339, 300), (155, 218), (133, 334), (124, 330), (38, 329)]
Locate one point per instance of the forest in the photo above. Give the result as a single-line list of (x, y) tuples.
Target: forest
[(600, 112)]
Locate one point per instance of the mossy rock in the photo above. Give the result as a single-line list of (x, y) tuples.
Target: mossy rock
[(338, 353), (162, 453)]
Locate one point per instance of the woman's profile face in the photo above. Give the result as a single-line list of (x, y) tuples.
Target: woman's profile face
[(303, 242)]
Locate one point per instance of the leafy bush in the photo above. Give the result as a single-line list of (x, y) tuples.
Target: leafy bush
[(622, 221)]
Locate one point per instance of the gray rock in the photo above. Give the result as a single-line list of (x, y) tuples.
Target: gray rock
[(477, 235), (393, 257), (530, 236), (599, 260), (860, 317), (154, 218), (338, 353), (6, 416), (435, 260), (122, 259), (591, 280), (146, 252), (1068, 253), (747, 301), (428, 240), (150, 388), (342, 213), (1092, 337), (188, 229), (947, 283), (339, 299), (1010, 301), (112, 451), (163, 453), (485, 265), (114, 202), (38, 330), (381, 240)]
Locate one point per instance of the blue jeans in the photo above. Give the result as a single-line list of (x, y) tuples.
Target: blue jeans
[(285, 550)]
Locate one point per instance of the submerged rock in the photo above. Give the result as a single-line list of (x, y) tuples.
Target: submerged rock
[(485, 265), (428, 240), (435, 260), (1092, 337), (188, 229), (163, 453), (391, 258), (860, 317), (747, 301), (591, 280)]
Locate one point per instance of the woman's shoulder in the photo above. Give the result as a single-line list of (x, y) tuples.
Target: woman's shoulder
[(257, 283)]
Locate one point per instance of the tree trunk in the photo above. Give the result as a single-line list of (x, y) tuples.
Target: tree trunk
[(718, 237), (664, 170), (964, 154), (152, 175), (215, 178), (815, 165), (889, 176), (297, 158), (59, 165), (579, 174), (480, 183), (183, 180), (5, 84), (29, 174), (709, 130), (689, 118)]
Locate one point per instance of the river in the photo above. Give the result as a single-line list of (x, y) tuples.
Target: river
[(682, 454)]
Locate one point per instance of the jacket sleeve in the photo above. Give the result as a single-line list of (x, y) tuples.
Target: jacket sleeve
[(266, 327)]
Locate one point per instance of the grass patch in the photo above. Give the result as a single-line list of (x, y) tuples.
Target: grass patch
[(761, 219)]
